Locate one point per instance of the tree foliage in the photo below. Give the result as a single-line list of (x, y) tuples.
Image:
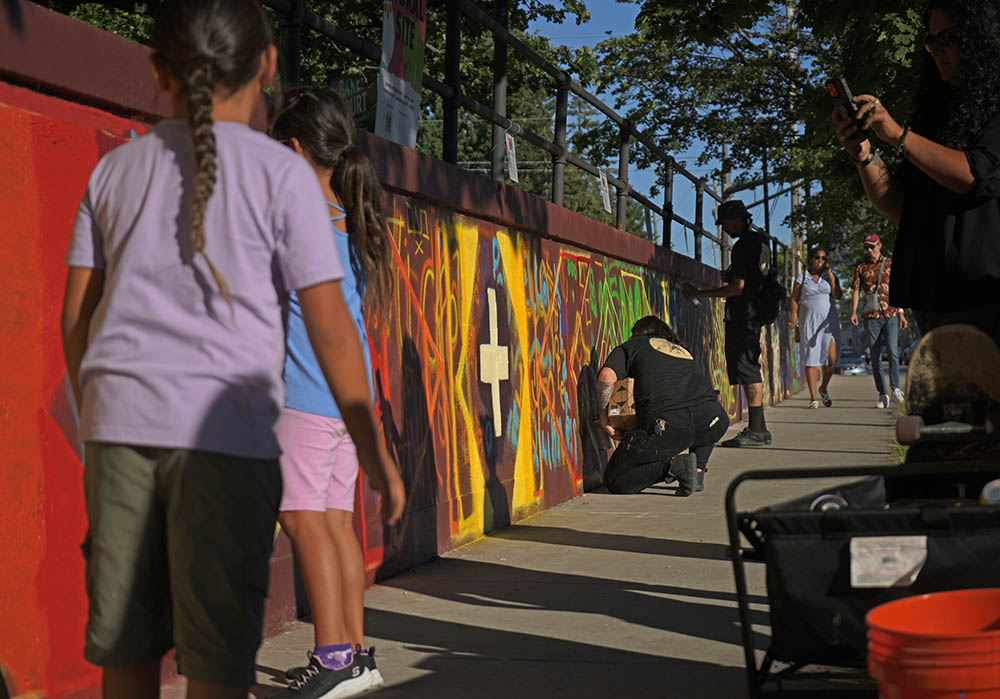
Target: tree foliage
[(751, 73)]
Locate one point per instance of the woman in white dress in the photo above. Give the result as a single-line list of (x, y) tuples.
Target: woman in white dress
[(819, 326)]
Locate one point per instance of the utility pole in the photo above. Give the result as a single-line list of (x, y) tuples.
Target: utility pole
[(499, 150), (798, 232), (727, 181)]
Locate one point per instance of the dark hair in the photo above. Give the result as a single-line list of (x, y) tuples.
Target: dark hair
[(651, 326), (210, 47), (322, 121), (954, 115)]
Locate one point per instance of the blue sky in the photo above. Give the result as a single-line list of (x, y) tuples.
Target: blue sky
[(619, 19)]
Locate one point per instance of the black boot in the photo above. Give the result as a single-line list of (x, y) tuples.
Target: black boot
[(699, 481), (748, 438), (684, 467)]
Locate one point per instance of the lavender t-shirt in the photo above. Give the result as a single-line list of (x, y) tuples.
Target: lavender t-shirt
[(168, 362)]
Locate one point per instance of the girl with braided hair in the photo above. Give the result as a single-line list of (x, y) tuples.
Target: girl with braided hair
[(185, 243), (319, 463)]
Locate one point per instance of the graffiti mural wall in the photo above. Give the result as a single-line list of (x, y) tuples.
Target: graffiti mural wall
[(486, 361), (484, 365)]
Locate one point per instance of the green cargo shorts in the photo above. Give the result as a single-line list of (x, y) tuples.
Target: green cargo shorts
[(178, 551)]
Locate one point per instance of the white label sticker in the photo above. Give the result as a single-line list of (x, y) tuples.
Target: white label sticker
[(605, 194), (511, 157), (887, 561)]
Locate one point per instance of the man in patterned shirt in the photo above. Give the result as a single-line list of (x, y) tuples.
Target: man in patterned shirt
[(882, 325)]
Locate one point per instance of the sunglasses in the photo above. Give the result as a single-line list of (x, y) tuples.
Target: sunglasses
[(819, 257), (869, 247), (942, 40)]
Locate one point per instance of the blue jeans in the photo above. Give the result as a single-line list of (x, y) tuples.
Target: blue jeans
[(883, 333)]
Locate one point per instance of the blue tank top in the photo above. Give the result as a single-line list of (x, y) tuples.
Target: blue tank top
[(305, 386)]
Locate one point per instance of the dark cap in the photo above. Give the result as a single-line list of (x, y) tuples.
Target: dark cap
[(734, 208)]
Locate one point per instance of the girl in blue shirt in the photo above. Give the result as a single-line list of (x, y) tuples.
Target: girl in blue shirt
[(319, 464)]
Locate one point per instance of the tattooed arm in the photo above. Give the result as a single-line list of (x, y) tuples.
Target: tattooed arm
[(605, 385)]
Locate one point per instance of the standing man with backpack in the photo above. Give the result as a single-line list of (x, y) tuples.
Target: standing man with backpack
[(746, 311)]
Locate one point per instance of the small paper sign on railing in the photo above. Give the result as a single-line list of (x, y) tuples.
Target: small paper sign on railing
[(511, 157), (605, 194)]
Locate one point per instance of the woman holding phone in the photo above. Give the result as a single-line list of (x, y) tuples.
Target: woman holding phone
[(815, 315), (944, 195)]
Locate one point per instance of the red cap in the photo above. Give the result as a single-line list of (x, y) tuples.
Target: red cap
[(873, 239)]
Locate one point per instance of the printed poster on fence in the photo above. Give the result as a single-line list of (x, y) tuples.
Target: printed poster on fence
[(404, 31), (605, 194), (511, 157)]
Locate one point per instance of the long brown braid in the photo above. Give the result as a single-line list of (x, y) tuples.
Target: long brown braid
[(200, 89), (322, 121), (211, 47)]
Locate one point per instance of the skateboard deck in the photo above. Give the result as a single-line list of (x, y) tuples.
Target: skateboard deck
[(952, 395)]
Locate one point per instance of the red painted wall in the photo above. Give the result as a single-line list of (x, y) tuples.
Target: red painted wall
[(47, 152)]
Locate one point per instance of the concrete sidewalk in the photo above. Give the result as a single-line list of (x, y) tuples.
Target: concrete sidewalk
[(604, 595)]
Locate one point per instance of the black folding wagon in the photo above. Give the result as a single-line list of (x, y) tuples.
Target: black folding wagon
[(832, 555)]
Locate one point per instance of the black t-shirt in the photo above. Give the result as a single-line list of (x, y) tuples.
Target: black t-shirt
[(751, 261), (947, 253), (666, 376)]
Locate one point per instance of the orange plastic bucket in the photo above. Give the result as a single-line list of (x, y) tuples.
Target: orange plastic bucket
[(944, 645)]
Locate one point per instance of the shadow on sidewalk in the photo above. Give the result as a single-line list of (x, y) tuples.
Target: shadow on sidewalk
[(810, 450), (876, 425), (467, 660), (561, 536), (643, 604)]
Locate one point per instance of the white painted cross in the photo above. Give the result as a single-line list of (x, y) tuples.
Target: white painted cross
[(494, 362)]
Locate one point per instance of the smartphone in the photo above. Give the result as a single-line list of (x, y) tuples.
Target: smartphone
[(841, 95)]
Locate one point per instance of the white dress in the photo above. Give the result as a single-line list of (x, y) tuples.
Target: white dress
[(816, 320)]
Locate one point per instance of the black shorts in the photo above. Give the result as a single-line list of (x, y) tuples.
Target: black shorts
[(743, 352)]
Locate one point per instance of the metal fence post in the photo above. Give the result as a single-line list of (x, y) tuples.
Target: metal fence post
[(501, 10), (623, 147), (699, 216), (787, 263), (452, 78), (559, 139), (767, 203), (725, 244), (290, 37), (668, 204)]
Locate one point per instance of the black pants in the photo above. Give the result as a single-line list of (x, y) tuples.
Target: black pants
[(643, 458)]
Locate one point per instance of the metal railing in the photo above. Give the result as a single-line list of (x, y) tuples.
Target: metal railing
[(294, 16)]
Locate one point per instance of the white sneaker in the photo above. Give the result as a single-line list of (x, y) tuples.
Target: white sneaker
[(898, 395), (883, 401)]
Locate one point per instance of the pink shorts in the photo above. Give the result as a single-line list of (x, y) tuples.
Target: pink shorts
[(319, 464)]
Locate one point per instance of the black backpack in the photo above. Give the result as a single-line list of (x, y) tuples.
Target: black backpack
[(771, 297)]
